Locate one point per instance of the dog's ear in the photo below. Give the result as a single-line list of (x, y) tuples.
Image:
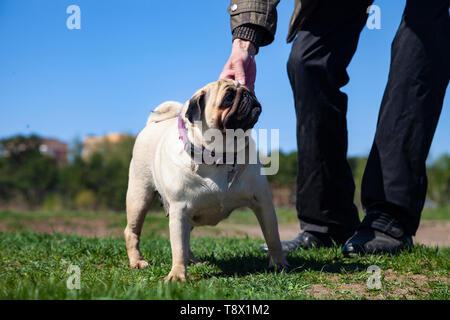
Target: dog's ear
[(196, 107)]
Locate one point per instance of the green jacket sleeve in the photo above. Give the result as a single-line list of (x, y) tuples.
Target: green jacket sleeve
[(254, 20)]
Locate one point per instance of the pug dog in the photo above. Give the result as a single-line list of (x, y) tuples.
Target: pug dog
[(196, 193)]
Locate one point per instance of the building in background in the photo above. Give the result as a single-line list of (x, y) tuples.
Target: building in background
[(56, 149), (92, 144), (53, 148)]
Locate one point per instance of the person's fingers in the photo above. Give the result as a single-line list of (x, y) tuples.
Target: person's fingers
[(227, 72), (239, 72), (240, 69)]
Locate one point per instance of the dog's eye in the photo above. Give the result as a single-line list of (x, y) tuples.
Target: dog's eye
[(228, 99)]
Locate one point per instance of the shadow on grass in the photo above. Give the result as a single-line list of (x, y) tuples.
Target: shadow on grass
[(252, 264)]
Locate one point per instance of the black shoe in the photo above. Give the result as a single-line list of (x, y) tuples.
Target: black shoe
[(378, 233), (305, 240)]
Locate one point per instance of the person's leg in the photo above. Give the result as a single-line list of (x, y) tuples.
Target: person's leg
[(395, 181), (317, 70)]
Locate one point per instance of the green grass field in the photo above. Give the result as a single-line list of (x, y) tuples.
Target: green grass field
[(34, 265)]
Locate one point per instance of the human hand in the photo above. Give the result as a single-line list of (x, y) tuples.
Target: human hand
[(241, 65)]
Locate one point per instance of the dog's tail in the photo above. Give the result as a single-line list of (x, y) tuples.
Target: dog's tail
[(165, 111)]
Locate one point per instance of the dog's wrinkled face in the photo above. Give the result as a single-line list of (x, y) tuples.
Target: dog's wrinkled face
[(224, 104)]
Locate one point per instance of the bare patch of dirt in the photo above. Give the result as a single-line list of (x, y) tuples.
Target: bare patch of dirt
[(335, 289), (80, 226), (430, 233), (320, 291), (396, 286), (434, 233)]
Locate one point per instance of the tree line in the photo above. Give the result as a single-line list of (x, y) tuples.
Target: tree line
[(30, 179)]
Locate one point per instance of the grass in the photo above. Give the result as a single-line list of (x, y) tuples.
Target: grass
[(442, 213), (34, 266)]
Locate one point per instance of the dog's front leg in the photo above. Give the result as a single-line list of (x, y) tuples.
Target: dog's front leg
[(180, 229), (265, 213)]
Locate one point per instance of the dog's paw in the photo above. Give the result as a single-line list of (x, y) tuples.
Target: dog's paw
[(176, 274), (139, 264), (279, 266)]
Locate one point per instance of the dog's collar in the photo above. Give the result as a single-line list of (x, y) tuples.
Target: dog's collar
[(201, 153)]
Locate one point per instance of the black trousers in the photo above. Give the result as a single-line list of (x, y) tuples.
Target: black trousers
[(394, 179)]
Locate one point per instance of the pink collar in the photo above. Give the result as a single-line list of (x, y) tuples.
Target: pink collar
[(202, 153)]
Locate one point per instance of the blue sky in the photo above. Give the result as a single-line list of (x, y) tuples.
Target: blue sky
[(129, 56)]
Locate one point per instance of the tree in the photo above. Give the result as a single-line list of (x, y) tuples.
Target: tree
[(439, 180), (358, 165), (287, 171), (24, 171)]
